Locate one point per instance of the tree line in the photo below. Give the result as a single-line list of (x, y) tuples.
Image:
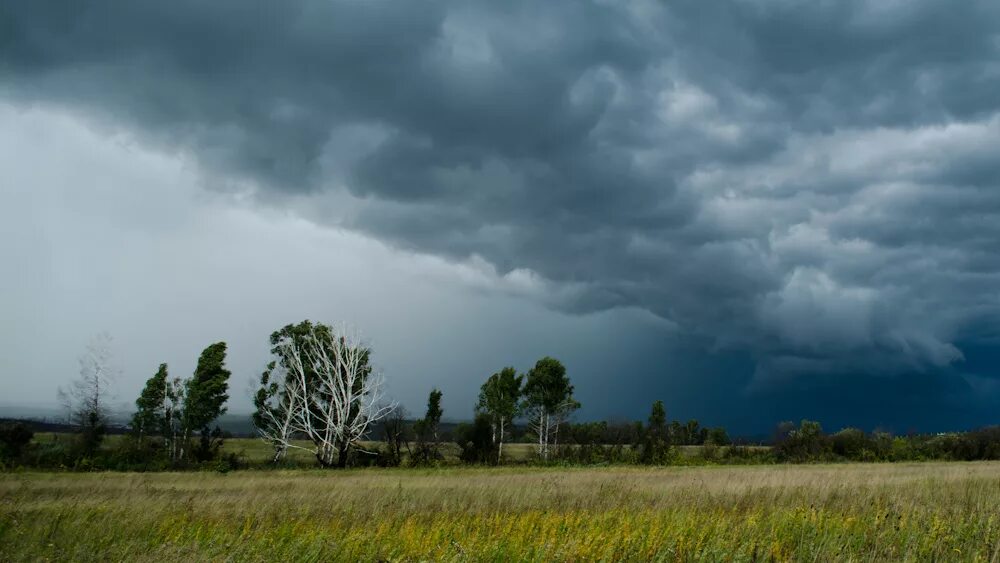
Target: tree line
[(320, 393)]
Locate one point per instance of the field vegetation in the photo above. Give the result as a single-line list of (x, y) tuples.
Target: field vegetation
[(860, 512)]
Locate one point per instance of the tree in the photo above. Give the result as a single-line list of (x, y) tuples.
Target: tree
[(395, 435), (718, 437), (805, 443), (87, 398), (173, 418), (499, 400), (14, 437), (656, 441), (150, 414), (274, 417), (428, 441), (548, 402), (329, 388), (475, 441), (205, 394)]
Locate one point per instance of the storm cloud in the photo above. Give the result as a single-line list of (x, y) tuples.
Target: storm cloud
[(812, 185)]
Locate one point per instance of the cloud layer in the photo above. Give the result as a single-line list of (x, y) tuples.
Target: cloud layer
[(812, 183)]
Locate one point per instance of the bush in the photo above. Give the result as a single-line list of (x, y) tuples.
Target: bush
[(476, 441), (14, 437)]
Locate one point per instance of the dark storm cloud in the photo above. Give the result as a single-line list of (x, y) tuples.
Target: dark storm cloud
[(812, 183)]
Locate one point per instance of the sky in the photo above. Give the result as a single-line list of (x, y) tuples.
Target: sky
[(755, 211)]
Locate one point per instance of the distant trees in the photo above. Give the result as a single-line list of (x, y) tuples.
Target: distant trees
[(548, 402), (323, 381), (807, 442), (500, 403)]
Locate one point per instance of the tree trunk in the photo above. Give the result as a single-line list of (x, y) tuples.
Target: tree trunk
[(342, 455), (500, 445)]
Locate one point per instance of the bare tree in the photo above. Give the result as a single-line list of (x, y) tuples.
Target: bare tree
[(394, 434), (91, 392), (86, 399), (275, 417), (332, 396)]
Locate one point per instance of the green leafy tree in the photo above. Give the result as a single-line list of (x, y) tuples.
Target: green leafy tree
[(150, 414), (428, 442), (205, 395), (274, 403), (656, 441), (475, 441), (320, 385), (499, 401), (548, 400), (718, 437)]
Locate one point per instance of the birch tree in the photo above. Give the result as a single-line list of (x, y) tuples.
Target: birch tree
[(275, 402), (275, 399), (499, 400), (327, 389), (548, 402), (149, 417)]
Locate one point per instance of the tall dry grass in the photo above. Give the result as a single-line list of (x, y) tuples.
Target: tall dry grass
[(943, 511)]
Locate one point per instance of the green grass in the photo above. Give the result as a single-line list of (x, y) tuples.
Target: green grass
[(842, 512)]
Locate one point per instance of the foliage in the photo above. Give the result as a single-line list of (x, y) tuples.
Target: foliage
[(150, 415), (320, 386), (476, 442), (548, 402), (499, 400), (656, 439), (206, 391), (428, 447), (805, 443), (14, 437)]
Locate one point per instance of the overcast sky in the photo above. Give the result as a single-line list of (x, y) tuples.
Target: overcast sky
[(754, 210)]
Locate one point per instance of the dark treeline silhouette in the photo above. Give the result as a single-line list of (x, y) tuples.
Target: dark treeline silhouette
[(321, 394)]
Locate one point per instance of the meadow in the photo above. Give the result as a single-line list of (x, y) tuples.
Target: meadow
[(842, 512)]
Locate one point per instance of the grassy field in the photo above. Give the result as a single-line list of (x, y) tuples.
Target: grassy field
[(860, 512)]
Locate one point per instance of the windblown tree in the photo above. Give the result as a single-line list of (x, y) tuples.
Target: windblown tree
[(150, 414), (548, 402), (499, 401), (321, 386), (87, 398), (173, 418), (205, 396), (274, 416)]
